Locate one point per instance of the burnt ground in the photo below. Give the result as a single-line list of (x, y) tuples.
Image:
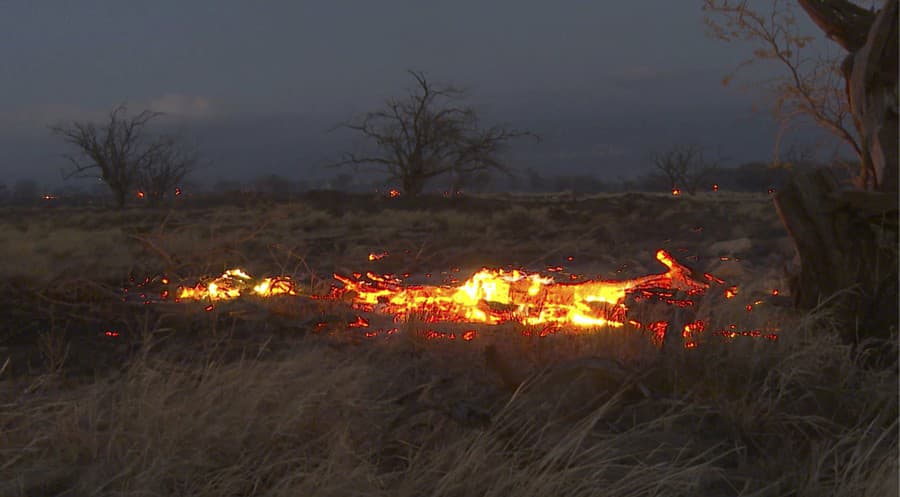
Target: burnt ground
[(50, 302), (103, 394)]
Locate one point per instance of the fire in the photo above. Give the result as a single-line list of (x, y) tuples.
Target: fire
[(493, 296), (490, 296), (375, 256), (235, 283)]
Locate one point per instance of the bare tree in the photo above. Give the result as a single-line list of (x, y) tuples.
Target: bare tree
[(121, 155), (872, 71), (170, 163), (428, 134), (812, 87), (815, 87), (685, 167)]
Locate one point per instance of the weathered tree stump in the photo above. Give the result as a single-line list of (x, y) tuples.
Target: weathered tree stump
[(847, 245)]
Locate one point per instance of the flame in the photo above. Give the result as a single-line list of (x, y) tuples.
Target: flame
[(493, 296), (234, 283)]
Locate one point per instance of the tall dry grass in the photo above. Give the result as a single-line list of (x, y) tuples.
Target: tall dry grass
[(798, 417), (212, 415)]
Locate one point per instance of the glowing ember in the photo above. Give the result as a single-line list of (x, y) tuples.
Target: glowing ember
[(490, 296), (235, 283), (493, 296), (377, 256)]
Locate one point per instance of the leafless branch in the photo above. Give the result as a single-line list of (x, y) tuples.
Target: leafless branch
[(427, 134), (120, 154), (812, 87)]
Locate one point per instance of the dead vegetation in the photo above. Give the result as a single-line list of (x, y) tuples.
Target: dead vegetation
[(253, 399)]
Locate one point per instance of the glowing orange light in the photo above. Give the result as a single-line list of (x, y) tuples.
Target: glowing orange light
[(715, 187), (377, 256), (359, 322), (140, 194), (493, 296), (775, 292), (394, 193), (49, 196), (234, 283), (177, 191), (676, 191)]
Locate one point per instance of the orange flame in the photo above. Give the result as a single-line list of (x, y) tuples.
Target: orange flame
[(235, 283), (493, 296), (373, 256)]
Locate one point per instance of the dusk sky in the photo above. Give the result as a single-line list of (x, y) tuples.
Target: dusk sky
[(256, 85)]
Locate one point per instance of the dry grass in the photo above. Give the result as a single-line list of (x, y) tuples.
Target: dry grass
[(220, 406)]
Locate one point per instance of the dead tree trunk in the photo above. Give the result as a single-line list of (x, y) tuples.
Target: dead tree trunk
[(871, 72), (847, 240), (847, 245)]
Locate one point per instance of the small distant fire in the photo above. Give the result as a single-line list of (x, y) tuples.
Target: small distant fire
[(375, 256)]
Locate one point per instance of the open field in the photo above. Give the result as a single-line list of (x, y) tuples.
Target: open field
[(104, 395)]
